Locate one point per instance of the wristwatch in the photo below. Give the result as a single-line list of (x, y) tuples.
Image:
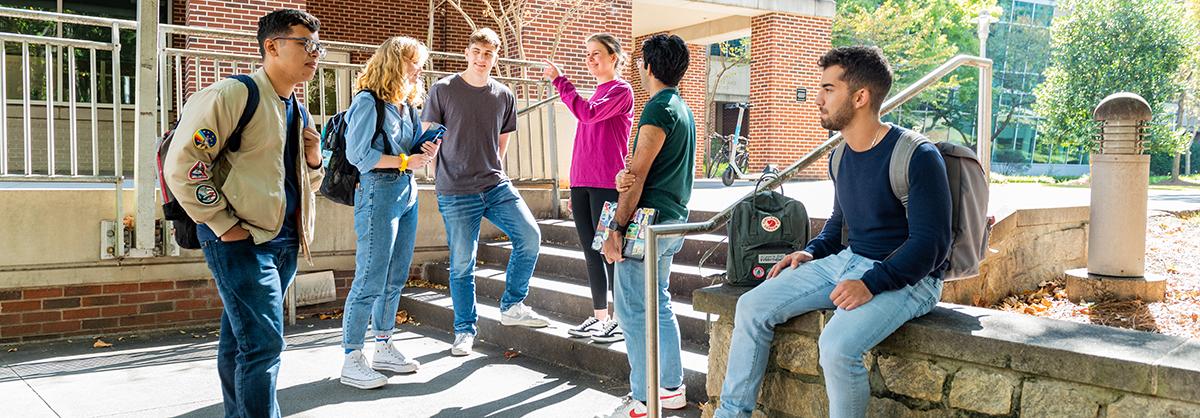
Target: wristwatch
[(613, 225)]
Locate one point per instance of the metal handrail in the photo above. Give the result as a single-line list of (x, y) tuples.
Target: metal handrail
[(66, 18), (655, 232)]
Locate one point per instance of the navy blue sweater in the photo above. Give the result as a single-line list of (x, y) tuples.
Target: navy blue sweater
[(879, 226)]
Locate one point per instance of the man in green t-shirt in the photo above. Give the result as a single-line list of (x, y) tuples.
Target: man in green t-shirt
[(660, 177)]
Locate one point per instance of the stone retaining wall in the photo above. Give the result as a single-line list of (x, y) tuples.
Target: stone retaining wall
[(962, 361)]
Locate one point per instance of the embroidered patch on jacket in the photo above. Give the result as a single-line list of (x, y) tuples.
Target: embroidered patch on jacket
[(199, 172), (207, 195), (758, 272), (204, 138)]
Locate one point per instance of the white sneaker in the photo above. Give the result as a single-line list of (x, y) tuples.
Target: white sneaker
[(387, 357), (673, 399), (522, 315), (608, 332), (356, 373), (628, 408), (462, 344), (585, 329)]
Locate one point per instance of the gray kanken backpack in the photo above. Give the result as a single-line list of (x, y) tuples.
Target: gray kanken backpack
[(970, 224)]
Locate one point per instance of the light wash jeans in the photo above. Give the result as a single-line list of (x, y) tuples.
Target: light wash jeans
[(462, 215), (846, 337), (629, 300), (385, 222)]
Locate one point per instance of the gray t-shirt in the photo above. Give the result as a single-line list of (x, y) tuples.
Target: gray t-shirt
[(475, 117)]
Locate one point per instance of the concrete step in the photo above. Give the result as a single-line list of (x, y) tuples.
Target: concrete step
[(562, 233), (569, 263), (552, 344), (567, 297)]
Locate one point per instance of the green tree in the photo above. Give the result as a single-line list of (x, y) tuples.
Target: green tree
[(1100, 47), (916, 36)]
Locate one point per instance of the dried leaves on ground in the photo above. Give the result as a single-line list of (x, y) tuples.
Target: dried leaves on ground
[(1172, 242), (425, 284)]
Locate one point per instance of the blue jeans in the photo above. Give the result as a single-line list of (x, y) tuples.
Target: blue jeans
[(462, 215), (385, 222), (844, 340), (629, 301), (251, 280)]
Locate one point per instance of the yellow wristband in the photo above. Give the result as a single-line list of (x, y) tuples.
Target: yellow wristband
[(403, 162)]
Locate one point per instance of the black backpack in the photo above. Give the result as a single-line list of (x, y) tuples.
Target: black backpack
[(762, 230), (185, 227), (341, 177)]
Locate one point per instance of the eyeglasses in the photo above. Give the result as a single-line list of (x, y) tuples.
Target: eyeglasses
[(310, 46)]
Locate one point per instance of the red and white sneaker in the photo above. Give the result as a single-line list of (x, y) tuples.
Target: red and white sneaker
[(673, 399), (629, 408)]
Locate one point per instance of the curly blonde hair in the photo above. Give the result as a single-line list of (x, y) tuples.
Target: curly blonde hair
[(387, 75)]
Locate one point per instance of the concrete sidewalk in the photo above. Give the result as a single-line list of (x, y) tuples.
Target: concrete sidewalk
[(817, 196), (175, 374)]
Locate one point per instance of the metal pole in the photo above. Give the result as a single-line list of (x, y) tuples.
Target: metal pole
[(653, 409), (50, 171), (28, 111), (146, 127), (3, 108), (118, 143), (74, 115), (984, 144), (552, 141), (92, 97)]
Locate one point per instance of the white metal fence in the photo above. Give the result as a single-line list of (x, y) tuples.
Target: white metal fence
[(74, 118)]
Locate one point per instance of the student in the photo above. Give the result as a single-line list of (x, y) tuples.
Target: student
[(890, 273), (254, 206), (661, 172), (600, 149), (385, 205), (479, 114)]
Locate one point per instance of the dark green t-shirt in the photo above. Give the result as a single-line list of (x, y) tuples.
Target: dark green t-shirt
[(669, 183)]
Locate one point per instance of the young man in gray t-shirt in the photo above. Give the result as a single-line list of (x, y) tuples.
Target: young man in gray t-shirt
[(479, 114)]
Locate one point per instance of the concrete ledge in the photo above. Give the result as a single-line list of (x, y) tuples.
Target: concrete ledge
[(1122, 360), (1082, 285)]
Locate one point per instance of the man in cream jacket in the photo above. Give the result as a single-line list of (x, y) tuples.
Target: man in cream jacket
[(254, 206)]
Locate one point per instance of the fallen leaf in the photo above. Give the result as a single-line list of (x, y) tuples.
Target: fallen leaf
[(1195, 317), (101, 344), (402, 317), (511, 354)]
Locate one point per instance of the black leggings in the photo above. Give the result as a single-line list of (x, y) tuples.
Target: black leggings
[(586, 205)]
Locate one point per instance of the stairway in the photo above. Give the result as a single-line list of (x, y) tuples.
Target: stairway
[(559, 290)]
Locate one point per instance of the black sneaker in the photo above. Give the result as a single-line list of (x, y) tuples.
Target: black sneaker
[(609, 332), (586, 328)]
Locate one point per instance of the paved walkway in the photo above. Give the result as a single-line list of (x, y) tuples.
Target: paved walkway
[(817, 196), (175, 375)]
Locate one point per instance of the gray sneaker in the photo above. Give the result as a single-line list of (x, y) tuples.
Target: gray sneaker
[(521, 315), (387, 357), (463, 343)]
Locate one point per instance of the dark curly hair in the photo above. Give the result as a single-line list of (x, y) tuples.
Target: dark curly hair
[(667, 56), (865, 67)]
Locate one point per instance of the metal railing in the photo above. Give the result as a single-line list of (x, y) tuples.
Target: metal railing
[(532, 151), (75, 78), (983, 149), (77, 168)]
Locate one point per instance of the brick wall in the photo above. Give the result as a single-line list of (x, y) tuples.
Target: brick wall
[(48, 313), (692, 88), (615, 18), (785, 50), (219, 14)]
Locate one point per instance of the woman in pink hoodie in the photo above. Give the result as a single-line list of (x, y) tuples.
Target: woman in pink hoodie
[(601, 139)]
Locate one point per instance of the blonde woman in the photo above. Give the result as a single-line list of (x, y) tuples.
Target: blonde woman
[(381, 127)]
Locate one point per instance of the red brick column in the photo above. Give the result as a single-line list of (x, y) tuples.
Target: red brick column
[(692, 88), (220, 14), (786, 48)]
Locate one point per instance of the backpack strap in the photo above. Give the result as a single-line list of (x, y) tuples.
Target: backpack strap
[(380, 113), (234, 142), (835, 160), (902, 154), (416, 121)]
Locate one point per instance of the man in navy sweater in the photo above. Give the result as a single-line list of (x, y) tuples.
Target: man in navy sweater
[(890, 273)]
